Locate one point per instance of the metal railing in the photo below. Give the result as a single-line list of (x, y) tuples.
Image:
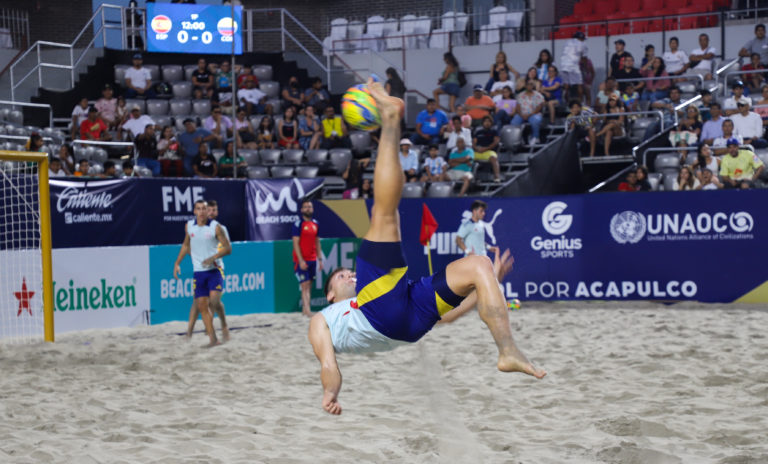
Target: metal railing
[(31, 105), (665, 150), (14, 28), (737, 73), (686, 77), (658, 113)]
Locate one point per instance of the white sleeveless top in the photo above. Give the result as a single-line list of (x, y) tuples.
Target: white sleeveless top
[(202, 243), (352, 333)]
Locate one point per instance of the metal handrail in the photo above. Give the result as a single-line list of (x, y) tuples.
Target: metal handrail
[(727, 65), (734, 73), (32, 105), (625, 113), (666, 150), (671, 78), (102, 142), (612, 178), (684, 104)]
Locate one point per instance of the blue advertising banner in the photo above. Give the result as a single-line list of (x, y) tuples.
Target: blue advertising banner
[(249, 283), (274, 204), (193, 28)]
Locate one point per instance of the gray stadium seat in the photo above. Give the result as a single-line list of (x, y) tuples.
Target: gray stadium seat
[(511, 137), (317, 156), (666, 161), (413, 190), (4, 112), (189, 69), (157, 107), (163, 120), (136, 101), (277, 105), (218, 153), (180, 106), (263, 72), (120, 73), (669, 180), (258, 172), (21, 131), (281, 172), (256, 120), (306, 171), (201, 107), (154, 70), (172, 73), (98, 155), (361, 142), (690, 158), (271, 88), (95, 167), (340, 158), (182, 89), (292, 156), (269, 156), (654, 179), (687, 87), (16, 117), (250, 156), (440, 190), (141, 171)]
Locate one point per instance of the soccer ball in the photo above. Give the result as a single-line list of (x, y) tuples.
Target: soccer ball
[(513, 304), (359, 109)]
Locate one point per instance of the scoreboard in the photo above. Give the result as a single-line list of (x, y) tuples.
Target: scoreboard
[(191, 28)]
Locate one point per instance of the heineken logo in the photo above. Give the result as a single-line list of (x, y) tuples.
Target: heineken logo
[(103, 296)]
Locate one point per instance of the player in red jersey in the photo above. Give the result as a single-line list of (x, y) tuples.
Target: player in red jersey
[(307, 255)]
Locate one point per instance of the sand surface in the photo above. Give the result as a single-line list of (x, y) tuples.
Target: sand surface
[(642, 384)]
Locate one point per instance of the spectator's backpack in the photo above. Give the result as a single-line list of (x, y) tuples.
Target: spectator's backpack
[(163, 89), (462, 78)]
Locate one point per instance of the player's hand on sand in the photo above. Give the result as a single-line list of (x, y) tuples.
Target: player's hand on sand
[(331, 403), (390, 108), (176, 271)]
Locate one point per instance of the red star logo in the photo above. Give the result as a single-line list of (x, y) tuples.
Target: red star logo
[(24, 296), (353, 304)]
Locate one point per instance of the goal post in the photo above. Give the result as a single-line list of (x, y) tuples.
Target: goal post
[(25, 239)]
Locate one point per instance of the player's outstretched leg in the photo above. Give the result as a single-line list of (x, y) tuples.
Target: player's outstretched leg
[(205, 311), (476, 273)]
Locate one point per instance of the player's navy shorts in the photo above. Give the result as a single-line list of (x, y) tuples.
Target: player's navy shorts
[(399, 308), (308, 275), (208, 281)]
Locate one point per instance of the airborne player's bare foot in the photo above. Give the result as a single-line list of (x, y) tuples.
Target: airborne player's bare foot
[(390, 108)]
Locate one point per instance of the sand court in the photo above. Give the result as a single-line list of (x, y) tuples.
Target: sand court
[(629, 383)]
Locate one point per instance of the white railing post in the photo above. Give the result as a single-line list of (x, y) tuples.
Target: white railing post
[(282, 29)]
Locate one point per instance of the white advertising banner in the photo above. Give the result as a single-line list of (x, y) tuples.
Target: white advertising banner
[(99, 288), (21, 297)]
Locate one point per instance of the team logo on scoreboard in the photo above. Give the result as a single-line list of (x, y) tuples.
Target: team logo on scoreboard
[(161, 24), (226, 26), (627, 227)]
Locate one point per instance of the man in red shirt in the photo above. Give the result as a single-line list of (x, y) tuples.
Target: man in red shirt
[(479, 105), (94, 128), (307, 255)]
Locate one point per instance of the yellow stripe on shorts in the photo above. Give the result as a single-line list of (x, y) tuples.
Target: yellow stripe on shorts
[(381, 286), (442, 306)]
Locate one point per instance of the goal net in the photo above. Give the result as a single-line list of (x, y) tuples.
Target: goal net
[(26, 311)]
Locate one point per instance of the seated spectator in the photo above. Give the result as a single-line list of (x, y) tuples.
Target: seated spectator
[(67, 157), (460, 162), (288, 129), (202, 78), (530, 75), (171, 164), (658, 89), (335, 133), (759, 45), (265, 134), (754, 80), (762, 106), (135, 124), (705, 104), (552, 90), (580, 120), (455, 131), (55, 168), (618, 59), (409, 161), (449, 82), (218, 125), (190, 141), (543, 63), (435, 167), (146, 147), (713, 128), (730, 105), (253, 100), (223, 81), (709, 181), (138, 80), (429, 124), (34, 143), (79, 114), (309, 130), (610, 87), (498, 86), (110, 170), (719, 145), (688, 131), (686, 180), (244, 75), (500, 72), (641, 174), (740, 168), (667, 105), (506, 108), (625, 75), (204, 165), (245, 136), (749, 125), (94, 128), (82, 168), (479, 105), (613, 125), (705, 160), (227, 163), (630, 183), (485, 142), (701, 58), (107, 107), (675, 60), (630, 97), (292, 94), (530, 104), (316, 96), (121, 112), (128, 169)]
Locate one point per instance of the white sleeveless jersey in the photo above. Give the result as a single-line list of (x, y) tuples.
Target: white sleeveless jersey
[(202, 243), (220, 261), (352, 333)]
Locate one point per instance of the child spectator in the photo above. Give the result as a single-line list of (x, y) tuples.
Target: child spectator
[(580, 120), (688, 131), (82, 168), (609, 88), (709, 181), (55, 168), (79, 114), (434, 167), (266, 132), (630, 97)]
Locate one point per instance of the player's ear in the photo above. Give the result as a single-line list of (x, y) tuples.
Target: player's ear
[(330, 296)]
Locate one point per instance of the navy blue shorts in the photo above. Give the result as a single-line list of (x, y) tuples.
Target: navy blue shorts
[(308, 275), (208, 281), (399, 308)]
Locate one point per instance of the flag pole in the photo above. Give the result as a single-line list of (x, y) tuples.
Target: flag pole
[(429, 258)]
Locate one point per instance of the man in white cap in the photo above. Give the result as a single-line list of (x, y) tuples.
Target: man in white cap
[(409, 160), (135, 124), (749, 125)]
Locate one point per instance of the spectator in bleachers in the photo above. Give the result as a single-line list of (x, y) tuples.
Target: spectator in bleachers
[(252, 99), (705, 104), (688, 131), (409, 161), (758, 45), (135, 124), (204, 165), (82, 168), (309, 130), (740, 168), (353, 176), (335, 134), (485, 143), (244, 133), (532, 75), (713, 128), (686, 180), (107, 107), (720, 144), (630, 182), (754, 80), (500, 64), (762, 106), (146, 147), (429, 124), (580, 120), (67, 157), (448, 82), (543, 63), (190, 141), (506, 108), (317, 96), (610, 87), (394, 85), (435, 167), (128, 169), (675, 60), (121, 112), (292, 94), (629, 71), (454, 131), (667, 105), (498, 86), (244, 75), (613, 125), (749, 125), (530, 104), (552, 90), (218, 125), (705, 159), (171, 164), (201, 77), (730, 105), (641, 173), (479, 105), (630, 97), (460, 161), (34, 143), (587, 77), (223, 82), (647, 61), (574, 55), (94, 128), (227, 164), (288, 129), (617, 59), (55, 168), (110, 170), (265, 134), (701, 58), (709, 181), (138, 80), (658, 89), (79, 114)]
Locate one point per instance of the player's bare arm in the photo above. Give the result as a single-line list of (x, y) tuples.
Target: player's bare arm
[(330, 375), (299, 256), (226, 247), (182, 253), (319, 254)]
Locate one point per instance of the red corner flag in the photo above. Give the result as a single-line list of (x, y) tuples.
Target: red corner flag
[(428, 225)]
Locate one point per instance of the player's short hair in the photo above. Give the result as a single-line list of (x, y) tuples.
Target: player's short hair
[(108, 164), (327, 286), (201, 201), (479, 204), (306, 200), (211, 202), (431, 100)]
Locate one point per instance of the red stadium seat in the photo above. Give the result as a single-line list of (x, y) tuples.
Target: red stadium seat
[(583, 8), (652, 6), (617, 28), (675, 4), (604, 7)]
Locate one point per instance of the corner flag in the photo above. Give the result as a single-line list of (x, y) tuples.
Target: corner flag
[(428, 225)]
